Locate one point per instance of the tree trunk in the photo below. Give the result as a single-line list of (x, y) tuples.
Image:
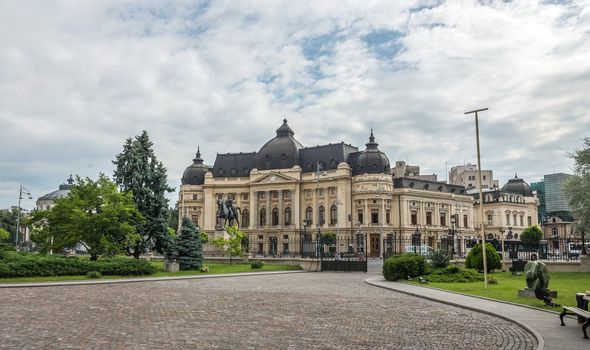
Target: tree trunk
[(93, 257), (136, 252)]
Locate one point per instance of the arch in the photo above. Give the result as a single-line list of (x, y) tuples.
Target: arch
[(275, 217), (287, 217), (334, 214), (262, 217), (309, 215), (245, 218)]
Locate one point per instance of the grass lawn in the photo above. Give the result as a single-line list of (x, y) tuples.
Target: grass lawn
[(567, 284), (213, 269)]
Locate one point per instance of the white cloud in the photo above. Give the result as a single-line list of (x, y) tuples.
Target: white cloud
[(76, 79)]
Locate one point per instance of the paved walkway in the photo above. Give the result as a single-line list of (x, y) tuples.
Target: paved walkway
[(277, 311), (544, 324)]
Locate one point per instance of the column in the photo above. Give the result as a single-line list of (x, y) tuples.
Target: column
[(254, 209), (281, 213), (268, 208)]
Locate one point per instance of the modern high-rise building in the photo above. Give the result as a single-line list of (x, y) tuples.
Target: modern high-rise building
[(556, 200), (539, 188)]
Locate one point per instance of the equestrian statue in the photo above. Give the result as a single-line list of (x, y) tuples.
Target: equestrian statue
[(227, 212)]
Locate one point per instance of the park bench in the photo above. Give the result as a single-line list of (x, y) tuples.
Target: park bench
[(582, 314), (517, 266)]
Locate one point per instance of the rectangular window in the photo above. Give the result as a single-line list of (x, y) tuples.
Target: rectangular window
[(195, 197), (465, 221), (374, 216), (514, 222), (428, 218), (287, 194), (244, 196), (261, 195), (507, 220), (484, 177), (490, 220), (219, 196), (275, 194), (414, 217), (360, 216), (332, 191), (387, 215), (443, 219), (321, 192), (307, 193), (521, 220), (529, 220)]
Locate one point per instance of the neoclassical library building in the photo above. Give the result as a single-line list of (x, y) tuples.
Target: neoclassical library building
[(286, 191)]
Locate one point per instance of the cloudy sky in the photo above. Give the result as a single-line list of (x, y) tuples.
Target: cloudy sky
[(78, 77)]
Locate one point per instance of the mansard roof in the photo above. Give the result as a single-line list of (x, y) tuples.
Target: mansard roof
[(329, 156), (234, 164), (408, 182)]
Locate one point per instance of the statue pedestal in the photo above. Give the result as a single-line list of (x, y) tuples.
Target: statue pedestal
[(530, 293)]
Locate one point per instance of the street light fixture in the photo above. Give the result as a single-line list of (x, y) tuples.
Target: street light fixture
[(479, 180), (20, 197)]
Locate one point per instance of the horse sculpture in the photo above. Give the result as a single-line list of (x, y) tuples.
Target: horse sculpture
[(227, 212)]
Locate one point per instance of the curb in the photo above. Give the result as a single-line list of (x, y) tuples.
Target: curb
[(137, 280), (526, 327)]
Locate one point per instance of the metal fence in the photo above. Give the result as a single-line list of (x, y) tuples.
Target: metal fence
[(554, 249)]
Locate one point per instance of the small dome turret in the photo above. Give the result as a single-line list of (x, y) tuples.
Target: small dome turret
[(371, 160), (195, 173), (518, 186)]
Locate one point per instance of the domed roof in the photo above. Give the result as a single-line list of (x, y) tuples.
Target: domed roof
[(371, 160), (63, 191), (281, 152), (518, 186), (194, 174)]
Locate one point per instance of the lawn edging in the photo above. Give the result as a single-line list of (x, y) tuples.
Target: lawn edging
[(139, 279), (526, 327)]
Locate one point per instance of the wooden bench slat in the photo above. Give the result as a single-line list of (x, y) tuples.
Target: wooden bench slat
[(578, 311)]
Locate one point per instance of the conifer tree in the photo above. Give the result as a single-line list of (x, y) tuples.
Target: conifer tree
[(189, 247), (139, 172)]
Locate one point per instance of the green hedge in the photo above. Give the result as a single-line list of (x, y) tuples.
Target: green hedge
[(403, 266), (15, 264)]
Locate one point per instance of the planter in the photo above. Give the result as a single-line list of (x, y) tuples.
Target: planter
[(171, 266)]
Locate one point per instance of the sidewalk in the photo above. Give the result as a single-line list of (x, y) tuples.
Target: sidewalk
[(139, 279), (544, 325)]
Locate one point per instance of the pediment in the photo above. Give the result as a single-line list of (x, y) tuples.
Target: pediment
[(272, 178)]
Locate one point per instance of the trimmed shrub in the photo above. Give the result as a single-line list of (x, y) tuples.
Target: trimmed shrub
[(474, 259), (531, 235), (454, 274), (403, 266), (257, 264), (439, 258), (94, 274), (17, 264)]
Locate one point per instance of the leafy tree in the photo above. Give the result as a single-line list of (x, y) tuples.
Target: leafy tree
[(93, 214), (188, 244), (139, 172), (234, 244), (173, 218), (4, 235), (578, 187), (8, 222), (474, 259), (531, 235)]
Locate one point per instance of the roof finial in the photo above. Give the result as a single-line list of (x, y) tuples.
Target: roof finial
[(371, 138), (285, 120), (515, 176), (70, 179), (198, 151)]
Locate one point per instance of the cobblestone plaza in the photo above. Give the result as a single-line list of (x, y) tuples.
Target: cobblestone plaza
[(285, 311)]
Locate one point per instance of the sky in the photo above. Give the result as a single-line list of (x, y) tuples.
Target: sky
[(79, 77)]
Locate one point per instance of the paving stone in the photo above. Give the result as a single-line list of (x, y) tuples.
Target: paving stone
[(300, 311)]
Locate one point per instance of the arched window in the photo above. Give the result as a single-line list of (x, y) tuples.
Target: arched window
[(245, 218), (309, 216), (322, 217), (275, 217), (262, 217), (333, 214), (287, 216)]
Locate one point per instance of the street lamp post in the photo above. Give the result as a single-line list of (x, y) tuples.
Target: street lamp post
[(479, 180), (20, 197)]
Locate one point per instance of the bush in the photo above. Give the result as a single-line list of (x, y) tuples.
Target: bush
[(454, 274), (257, 264), (439, 258), (531, 235), (403, 266), (474, 259), (17, 264), (94, 274)]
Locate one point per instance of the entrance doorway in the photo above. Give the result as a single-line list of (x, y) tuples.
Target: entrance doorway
[(374, 244)]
